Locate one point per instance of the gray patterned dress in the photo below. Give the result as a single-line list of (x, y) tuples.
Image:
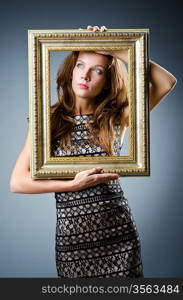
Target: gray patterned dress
[(96, 235)]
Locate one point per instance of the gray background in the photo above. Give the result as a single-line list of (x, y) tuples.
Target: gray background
[(27, 222)]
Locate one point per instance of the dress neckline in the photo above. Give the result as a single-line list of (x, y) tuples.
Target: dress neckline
[(81, 115)]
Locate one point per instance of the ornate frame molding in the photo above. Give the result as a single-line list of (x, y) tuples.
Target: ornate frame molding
[(41, 43)]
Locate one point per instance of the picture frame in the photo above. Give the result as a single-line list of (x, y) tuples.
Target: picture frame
[(41, 45)]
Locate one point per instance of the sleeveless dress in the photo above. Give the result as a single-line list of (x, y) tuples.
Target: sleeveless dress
[(96, 235)]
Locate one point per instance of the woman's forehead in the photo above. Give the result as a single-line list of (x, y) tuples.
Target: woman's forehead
[(93, 58)]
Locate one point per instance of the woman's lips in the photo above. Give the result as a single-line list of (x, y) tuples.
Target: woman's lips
[(83, 86)]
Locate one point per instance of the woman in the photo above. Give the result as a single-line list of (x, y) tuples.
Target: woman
[(96, 235)]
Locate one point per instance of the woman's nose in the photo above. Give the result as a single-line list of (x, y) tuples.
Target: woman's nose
[(85, 74)]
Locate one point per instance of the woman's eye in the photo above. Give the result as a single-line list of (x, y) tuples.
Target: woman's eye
[(99, 71), (79, 65)]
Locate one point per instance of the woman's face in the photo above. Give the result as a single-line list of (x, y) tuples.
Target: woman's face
[(89, 75)]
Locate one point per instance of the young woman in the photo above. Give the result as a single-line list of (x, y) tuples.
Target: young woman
[(96, 235)]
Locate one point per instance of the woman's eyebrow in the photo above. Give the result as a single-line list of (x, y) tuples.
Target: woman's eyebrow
[(95, 65)]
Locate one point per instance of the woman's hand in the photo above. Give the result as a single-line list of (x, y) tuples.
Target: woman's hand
[(92, 177), (96, 28), (119, 54)]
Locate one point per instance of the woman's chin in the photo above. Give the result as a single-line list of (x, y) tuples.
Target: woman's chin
[(83, 94)]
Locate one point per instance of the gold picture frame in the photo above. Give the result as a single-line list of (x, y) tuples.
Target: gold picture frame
[(41, 43)]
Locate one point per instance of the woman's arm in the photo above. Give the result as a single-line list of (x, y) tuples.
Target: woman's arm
[(161, 82), (21, 181)]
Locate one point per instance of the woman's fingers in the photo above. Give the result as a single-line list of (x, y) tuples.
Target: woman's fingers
[(92, 177), (93, 171), (96, 172), (89, 27), (103, 28), (86, 173), (106, 177), (95, 179), (96, 28), (105, 52)]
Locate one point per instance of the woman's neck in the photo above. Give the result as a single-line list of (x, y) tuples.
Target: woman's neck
[(84, 109)]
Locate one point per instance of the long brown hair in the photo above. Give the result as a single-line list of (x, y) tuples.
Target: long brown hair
[(109, 111)]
